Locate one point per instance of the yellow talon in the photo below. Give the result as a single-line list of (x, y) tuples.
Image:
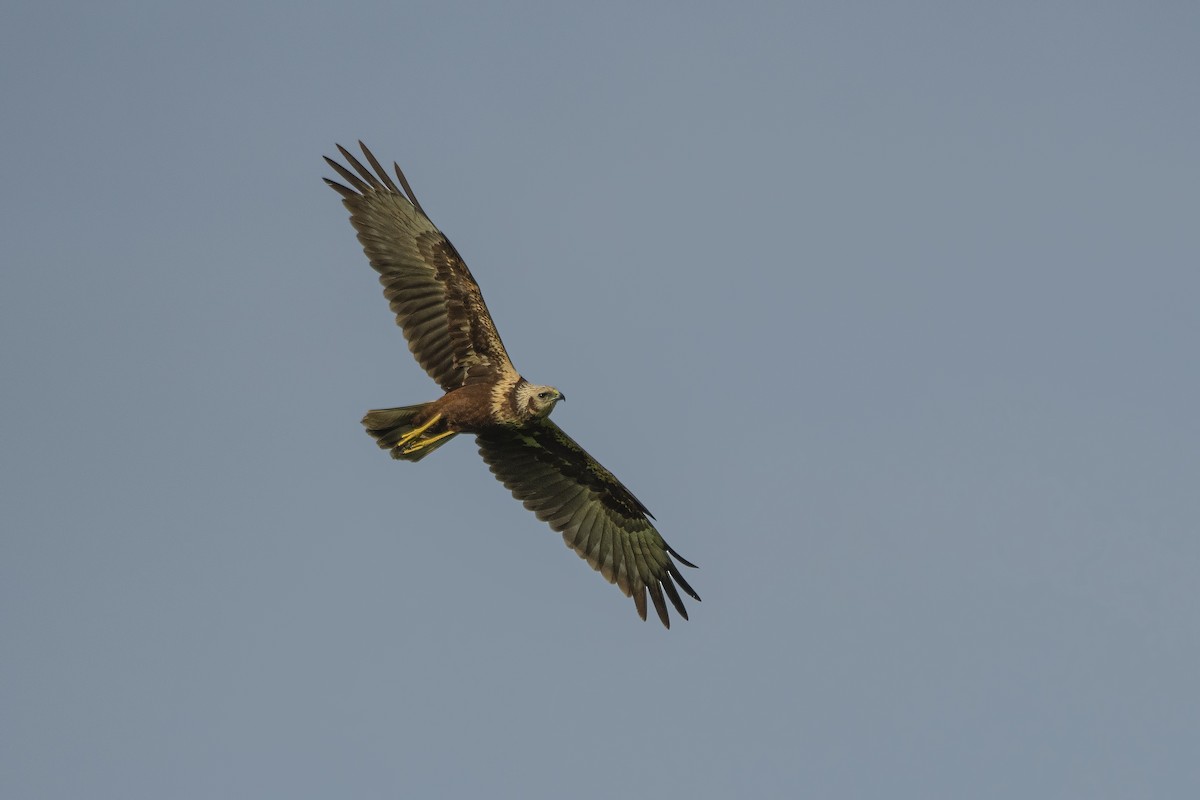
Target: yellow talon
[(422, 444), (415, 432)]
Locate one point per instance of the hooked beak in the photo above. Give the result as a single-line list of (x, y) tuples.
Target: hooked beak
[(562, 396)]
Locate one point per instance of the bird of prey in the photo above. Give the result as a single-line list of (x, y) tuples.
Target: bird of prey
[(439, 307)]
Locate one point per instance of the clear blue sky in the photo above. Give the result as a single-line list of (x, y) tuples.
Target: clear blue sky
[(890, 313)]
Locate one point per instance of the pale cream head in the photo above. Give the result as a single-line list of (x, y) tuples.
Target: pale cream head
[(537, 401)]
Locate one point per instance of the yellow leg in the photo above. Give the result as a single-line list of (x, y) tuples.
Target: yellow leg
[(415, 432), (422, 444)]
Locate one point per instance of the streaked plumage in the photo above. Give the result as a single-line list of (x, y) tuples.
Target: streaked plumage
[(439, 307)]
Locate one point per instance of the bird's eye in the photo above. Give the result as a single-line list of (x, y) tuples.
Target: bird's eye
[(543, 395)]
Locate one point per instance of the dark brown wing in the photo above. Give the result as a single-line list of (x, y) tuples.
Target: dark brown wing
[(597, 516), (434, 296)]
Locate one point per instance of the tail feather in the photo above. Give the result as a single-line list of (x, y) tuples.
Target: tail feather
[(389, 425)]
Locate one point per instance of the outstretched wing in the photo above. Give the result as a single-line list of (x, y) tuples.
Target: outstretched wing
[(434, 296), (597, 516)]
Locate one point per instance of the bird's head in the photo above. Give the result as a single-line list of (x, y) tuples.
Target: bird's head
[(538, 401)]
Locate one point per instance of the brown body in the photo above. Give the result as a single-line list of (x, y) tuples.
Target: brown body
[(466, 409), (413, 432)]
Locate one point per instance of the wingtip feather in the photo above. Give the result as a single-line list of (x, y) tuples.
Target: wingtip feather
[(660, 605), (682, 560), (639, 601)]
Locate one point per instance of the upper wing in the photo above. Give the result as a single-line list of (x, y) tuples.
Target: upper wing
[(434, 296), (596, 515)]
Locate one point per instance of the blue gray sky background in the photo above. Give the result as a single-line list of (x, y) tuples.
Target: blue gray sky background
[(889, 312)]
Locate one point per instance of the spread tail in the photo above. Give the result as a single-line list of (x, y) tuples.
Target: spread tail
[(394, 429)]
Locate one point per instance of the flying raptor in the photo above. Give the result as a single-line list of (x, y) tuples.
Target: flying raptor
[(439, 307)]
